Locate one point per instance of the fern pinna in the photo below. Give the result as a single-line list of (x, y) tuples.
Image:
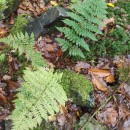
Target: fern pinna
[(83, 22), (25, 44), (38, 97)]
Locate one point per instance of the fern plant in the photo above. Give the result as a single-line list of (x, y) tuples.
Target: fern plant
[(38, 97), (25, 44), (83, 22), (19, 24)]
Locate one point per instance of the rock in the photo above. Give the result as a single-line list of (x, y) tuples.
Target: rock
[(12, 6), (42, 24)]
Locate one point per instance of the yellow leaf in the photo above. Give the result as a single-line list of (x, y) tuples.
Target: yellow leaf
[(100, 72), (54, 3), (111, 5), (110, 79)]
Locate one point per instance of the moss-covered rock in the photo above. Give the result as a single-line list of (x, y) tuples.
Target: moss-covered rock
[(76, 86)]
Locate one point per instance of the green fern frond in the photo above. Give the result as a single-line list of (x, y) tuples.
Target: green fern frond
[(25, 44), (83, 22), (38, 97)]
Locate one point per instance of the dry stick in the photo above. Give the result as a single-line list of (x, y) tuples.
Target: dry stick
[(82, 127)]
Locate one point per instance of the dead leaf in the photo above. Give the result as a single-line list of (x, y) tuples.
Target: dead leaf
[(11, 85), (81, 65), (109, 116), (128, 27), (48, 39), (106, 22), (6, 77), (3, 98), (110, 79), (63, 110), (99, 85), (49, 47), (125, 124), (100, 72), (54, 3), (3, 32)]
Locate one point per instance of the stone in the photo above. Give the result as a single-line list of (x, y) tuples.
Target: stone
[(41, 25), (12, 6)]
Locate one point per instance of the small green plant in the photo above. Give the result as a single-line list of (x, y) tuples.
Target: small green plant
[(83, 22), (76, 86), (115, 43), (123, 73), (121, 12), (19, 24), (38, 97), (24, 44)]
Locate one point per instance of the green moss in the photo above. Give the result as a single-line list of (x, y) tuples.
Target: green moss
[(19, 24), (76, 86)]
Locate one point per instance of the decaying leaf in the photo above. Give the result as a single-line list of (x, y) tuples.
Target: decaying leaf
[(81, 65), (99, 85), (110, 79), (109, 116), (99, 72)]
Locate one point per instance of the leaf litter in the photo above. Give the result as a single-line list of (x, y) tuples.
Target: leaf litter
[(107, 82)]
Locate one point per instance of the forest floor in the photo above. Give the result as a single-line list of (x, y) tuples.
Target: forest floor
[(110, 77)]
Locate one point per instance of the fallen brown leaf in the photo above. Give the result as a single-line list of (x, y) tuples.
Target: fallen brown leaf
[(49, 47), (109, 116), (81, 65), (100, 72), (99, 85), (3, 99), (110, 79)]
